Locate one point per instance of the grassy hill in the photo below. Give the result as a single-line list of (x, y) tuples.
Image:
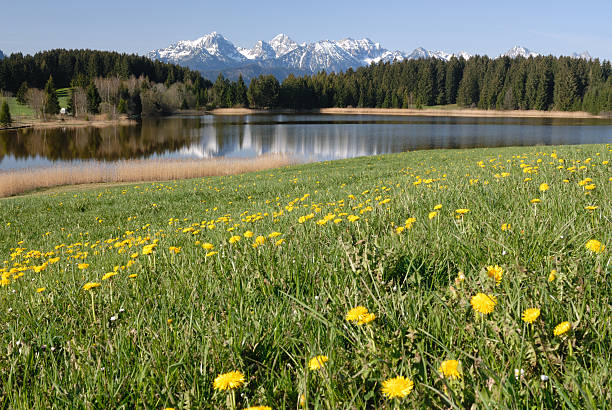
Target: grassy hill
[(258, 273)]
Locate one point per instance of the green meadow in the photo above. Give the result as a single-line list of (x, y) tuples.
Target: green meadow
[(141, 296)]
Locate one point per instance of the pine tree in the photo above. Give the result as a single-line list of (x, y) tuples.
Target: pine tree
[(52, 102), (70, 108), (241, 93), (93, 99), (5, 115), (21, 93), (135, 104)]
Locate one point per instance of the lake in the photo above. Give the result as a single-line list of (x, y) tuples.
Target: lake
[(306, 137)]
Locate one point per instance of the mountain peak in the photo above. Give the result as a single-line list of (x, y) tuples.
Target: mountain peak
[(283, 44), (519, 51)]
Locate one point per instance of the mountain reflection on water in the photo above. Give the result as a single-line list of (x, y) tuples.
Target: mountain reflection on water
[(309, 137)]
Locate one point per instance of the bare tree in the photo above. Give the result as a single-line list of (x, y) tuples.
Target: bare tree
[(79, 101), (37, 100), (109, 92)]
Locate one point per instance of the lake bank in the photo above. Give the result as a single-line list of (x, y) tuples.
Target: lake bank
[(431, 112), (67, 122)]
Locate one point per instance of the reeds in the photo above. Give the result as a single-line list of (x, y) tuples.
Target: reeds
[(19, 181)]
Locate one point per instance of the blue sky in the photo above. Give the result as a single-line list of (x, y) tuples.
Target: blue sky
[(484, 27)]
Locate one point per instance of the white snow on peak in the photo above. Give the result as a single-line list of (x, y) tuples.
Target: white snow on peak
[(585, 54), (518, 51), (282, 44)]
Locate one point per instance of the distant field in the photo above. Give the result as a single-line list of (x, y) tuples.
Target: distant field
[(17, 109), (63, 96), (480, 277)]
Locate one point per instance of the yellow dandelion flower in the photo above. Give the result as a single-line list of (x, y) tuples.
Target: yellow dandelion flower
[(544, 187), (83, 265), (260, 240), (352, 218), (148, 249), (437, 207), (356, 313), (90, 285), (108, 275), (594, 246), (462, 211), (449, 368), (589, 187), (259, 408), (39, 290), (274, 235), (552, 275), (399, 386), (248, 234), (591, 207), (317, 362), (231, 380), (530, 315), (432, 214), (213, 253), (133, 275), (561, 328), (208, 246), (174, 249), (495, 272), (535, 201), (505, 227), (279, 242), (483, 303), (234, 239), (367, 318), (399, 229), (134, 255)]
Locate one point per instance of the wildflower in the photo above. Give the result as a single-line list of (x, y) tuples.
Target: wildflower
[(148, 249), (279, 242), (432, 214), (594, 246), (519, 373), (535, 201), (133, 275), (505, 227), (590, 187), (544, 187), (356, 313), (462, 211), (399, 229), (260, 240), (83, 265), (39, 290), (90, 285), (274, 235), (108, 275), (448, 368), (208, 246), (544, 378), (234, 239), (317, 362), (259, 408), (483, 303), (248, 234), (437, 207), (591, 207), (530, 315), (552, 275), (352, 218), (399, 386), (495, 272), (174, 249), (561, 328), (134, 255), (229, 380), (213, 253)]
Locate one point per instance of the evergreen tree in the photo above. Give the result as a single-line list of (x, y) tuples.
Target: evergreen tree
[(93, 99), (70, 108), (566, 89), (52, 102), (241, 93), (21, 93), (5, 115), (135, 104), (122, 107)]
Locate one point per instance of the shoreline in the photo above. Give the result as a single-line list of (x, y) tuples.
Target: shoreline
[(427, 112), (21, 123)]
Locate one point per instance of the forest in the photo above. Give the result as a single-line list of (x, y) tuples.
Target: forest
[(535, 83)]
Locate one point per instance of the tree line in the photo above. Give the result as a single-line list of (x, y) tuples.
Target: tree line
[(540, 83)]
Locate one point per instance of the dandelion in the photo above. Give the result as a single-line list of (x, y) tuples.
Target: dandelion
[(40, 290), (108, 275), (248, 234), (317, 362), (279, 242), (462, 211), (399, 386), (213, 253), (594, 246), (449, 368), (133, 275), (148, 249), (208, 246), (432, 214), (174, 249), (90, 285), (483, 303), (495, 272), (552, 275), (544, 187), (535, 201), (437, 207), (590, 187), (259, 408), (352, 218), (399, 229), (234, 239), (562, 328), (356, 313), (260, 240), (227, 381), (530, 315), (83, 265), (591, 207), (505, 227)]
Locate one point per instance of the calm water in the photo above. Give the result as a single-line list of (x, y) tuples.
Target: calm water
[(310, 137)]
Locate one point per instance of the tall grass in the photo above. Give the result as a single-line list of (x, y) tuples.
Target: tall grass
[(19, 181), (181, 300)]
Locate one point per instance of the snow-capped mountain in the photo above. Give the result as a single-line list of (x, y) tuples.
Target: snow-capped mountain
[(213, 53), (585, 54), (518, 51)]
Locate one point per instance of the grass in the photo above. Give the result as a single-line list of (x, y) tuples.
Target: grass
[(17, 109), (158, 332), (25, 180), (63, 96)]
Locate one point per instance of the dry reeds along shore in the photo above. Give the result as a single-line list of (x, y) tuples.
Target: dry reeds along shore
[(19, 181)]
